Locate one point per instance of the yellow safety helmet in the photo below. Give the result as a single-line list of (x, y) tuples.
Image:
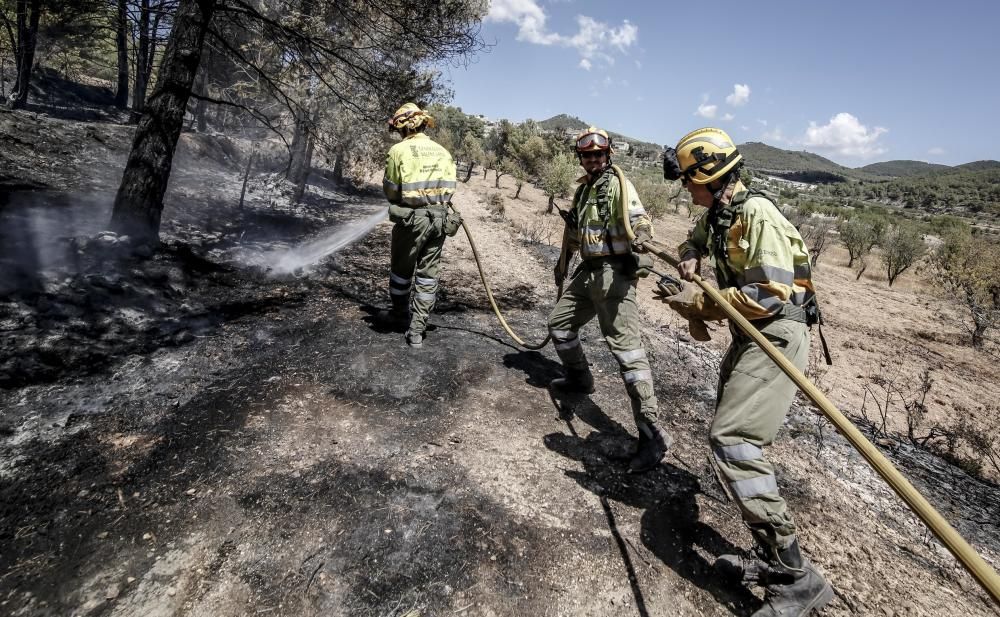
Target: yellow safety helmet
[(706, 155), (409, 116), (593, 139)]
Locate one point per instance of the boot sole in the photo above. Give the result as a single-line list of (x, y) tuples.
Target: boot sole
[(822, 599)]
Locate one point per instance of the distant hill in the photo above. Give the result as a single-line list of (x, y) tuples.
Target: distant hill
[(794, 165), (978, 166), (902, 168), (562, 122)]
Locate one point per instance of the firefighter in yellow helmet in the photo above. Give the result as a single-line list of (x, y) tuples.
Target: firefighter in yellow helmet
[(762, 267), (419, 183), (604, 286)]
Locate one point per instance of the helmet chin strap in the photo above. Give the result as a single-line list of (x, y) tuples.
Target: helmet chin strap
[(717, 195)]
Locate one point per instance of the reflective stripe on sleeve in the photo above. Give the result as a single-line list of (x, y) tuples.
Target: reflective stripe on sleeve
[(398, 280), (767, 300), (739, 452), (751, 487), (426, 282), (425, 297)]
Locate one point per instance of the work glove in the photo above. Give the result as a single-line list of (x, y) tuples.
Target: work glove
[(668, 286), (558, 276), (642, 235), (690, 302)]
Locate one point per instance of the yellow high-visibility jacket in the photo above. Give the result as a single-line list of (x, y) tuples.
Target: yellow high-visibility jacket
[(768, 263), (597, 208), (419, 172)]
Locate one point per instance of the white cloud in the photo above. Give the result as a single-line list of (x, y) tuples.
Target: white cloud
[(728, 116), (529, 17), (774, 136), (740, 95), (762, 122), (706, 111), (594, 40), (845, 135), (744, 127), (936, 151)]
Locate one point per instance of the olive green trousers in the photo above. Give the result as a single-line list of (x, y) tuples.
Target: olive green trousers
[(753, 397), (417, 243), (605, 288)]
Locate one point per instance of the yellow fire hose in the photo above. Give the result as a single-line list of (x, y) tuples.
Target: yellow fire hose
[(973, 562), (493, 302)]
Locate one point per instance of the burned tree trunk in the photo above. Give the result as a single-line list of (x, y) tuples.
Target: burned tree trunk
[(141, 61), (139, 201), (300, 162), (198, 115), (121, 41), (28, 14), (338, 166)]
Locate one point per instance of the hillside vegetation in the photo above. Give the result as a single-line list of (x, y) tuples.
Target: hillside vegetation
[(902, 168)]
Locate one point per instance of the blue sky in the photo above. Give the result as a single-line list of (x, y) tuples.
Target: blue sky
[(857, 82)]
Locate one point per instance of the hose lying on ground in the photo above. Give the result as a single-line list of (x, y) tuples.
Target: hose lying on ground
[(493, 302)]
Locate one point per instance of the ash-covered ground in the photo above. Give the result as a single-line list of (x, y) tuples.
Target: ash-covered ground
[(186, 433)]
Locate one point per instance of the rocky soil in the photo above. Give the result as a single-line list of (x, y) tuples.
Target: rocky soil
[(186, 434)]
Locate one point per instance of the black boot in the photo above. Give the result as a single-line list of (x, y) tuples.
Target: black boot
[(388, 318), (653, 445), (576, 380), (793, 586)]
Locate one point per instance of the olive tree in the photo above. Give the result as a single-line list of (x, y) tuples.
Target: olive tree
[(557, 178), (969, 269), (901, 247)]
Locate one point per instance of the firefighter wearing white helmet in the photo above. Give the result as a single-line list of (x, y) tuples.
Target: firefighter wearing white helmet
[(419, 183), (762, 267), (604, 286)]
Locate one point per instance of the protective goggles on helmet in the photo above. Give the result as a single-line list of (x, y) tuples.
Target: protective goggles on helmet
[(592, 141)]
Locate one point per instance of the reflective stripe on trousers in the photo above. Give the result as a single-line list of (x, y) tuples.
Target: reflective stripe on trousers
[(568, 348)]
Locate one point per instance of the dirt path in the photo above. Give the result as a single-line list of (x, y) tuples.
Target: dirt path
[(295, 460)]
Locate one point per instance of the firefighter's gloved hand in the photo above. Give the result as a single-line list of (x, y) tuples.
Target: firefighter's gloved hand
[(642, 235), (690, 302), (667, 286), (568, 217), (558, 276)]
